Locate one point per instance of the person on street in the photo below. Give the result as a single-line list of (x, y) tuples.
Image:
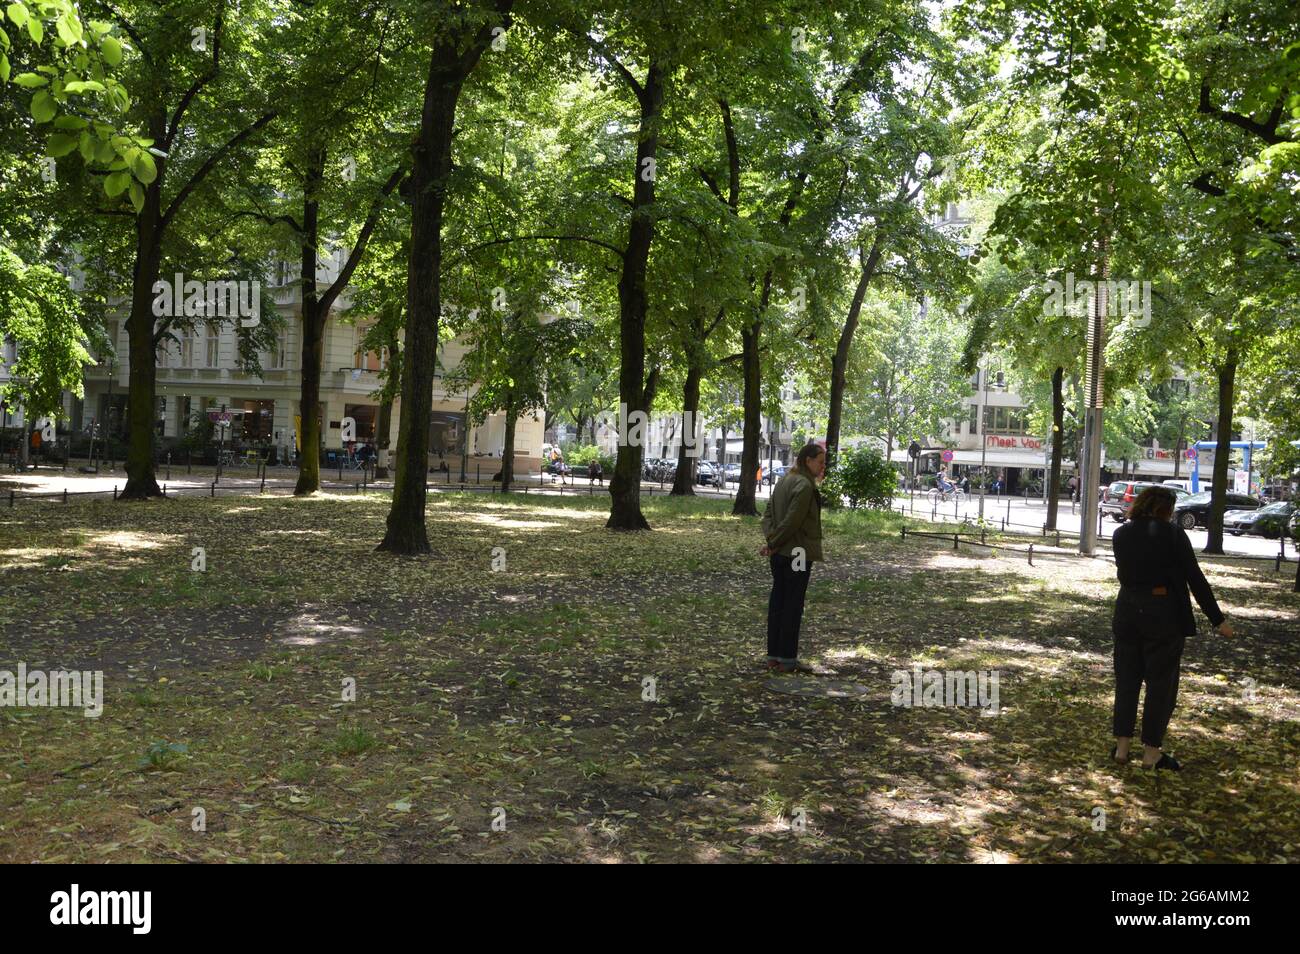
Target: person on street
[(1153, 617), (792, 528)]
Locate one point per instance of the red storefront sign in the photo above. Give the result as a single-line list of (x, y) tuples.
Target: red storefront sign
[(1026, 443)]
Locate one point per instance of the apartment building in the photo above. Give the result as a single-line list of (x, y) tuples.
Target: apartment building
[(200, 375)]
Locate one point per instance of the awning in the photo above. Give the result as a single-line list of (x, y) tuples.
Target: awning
[(994, 458)]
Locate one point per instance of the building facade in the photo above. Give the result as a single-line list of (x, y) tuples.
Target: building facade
[(200, 376)]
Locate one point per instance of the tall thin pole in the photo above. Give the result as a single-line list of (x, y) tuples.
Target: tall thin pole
[(984, 441), (1094, 401)]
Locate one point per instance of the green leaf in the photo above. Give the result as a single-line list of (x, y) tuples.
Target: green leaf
[(104, 152), (4, 68), (35, 30), (43, 107), (82, 86), (69, 29), (70, 122), (111, 47), (18, 13), (137, 196), (117, 183), (31, 80), (142, 165), (60, 144), (87, 146)]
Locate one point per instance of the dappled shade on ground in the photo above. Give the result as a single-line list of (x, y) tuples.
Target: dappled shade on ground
[(524, 689)]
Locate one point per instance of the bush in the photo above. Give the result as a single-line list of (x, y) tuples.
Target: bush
[(863, 476), (579, 457)]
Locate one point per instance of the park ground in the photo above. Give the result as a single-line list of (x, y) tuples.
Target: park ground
[(505, 677)]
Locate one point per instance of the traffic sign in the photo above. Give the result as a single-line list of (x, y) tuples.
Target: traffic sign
[(947, 456), (1191, 453)]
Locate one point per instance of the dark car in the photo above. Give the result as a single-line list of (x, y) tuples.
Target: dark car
[(1194, 511), (1269, 522), (706, 473)]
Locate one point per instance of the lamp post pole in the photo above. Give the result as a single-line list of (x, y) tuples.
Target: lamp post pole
[(464, 438), (984, 442), (1093, 401)]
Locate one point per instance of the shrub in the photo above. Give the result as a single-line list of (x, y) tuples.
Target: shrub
[(580, 456), (863, 476)]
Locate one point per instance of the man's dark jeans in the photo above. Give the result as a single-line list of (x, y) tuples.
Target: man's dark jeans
[(785, 607)]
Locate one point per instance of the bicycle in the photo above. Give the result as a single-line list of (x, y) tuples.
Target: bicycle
[(938, 496)]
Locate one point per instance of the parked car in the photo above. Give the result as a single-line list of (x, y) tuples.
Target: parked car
[(1295, 524), (733, 473), (706, 472), (1126, 491), (1269, 522), (1176, 485), (774, 468), (1194, 511)]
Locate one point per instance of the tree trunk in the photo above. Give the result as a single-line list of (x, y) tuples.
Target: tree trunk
[(684, 482), (1058, 441), (751, 426), (143, 350), (840, 360), (625, 486), (508, 451), (385, 425), (1222, 450), (449, 66), (313, 331)]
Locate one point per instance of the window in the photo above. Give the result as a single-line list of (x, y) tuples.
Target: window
[(1004, 420), (974, 419), (213, 347), (369, 360), (187, 349)]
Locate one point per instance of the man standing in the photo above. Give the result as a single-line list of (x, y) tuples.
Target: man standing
[(792, 527)]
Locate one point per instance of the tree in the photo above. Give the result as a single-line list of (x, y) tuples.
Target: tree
[(339, 163), (458, 37), (188, 95), (48, 325)]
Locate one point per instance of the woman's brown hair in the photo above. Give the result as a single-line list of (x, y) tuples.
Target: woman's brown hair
[(1154, 503), (806, 453)]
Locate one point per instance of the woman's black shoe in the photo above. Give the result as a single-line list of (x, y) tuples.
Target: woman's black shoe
[(1114, 751), (1166, 762)]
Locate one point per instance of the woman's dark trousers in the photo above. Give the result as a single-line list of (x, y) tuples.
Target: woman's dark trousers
[(785, 607), (1148, 649)]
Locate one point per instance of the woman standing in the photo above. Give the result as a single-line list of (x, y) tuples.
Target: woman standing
[(792, 526), (1153, 617)]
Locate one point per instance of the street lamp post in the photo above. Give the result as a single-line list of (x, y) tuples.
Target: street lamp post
[(984, 442), (1094, 402)]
